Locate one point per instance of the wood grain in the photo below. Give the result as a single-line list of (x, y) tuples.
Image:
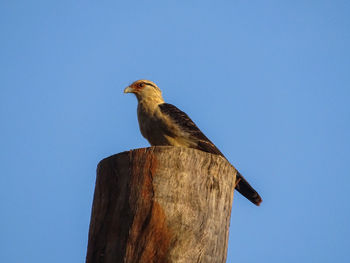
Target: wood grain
[(161, 204)]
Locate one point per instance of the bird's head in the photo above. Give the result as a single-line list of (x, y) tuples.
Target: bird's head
[(145, 90)]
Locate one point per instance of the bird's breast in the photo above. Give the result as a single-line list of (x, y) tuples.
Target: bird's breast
[(151, 126), (159, 129)]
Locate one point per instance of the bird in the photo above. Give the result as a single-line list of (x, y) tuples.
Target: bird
[(163, 124)]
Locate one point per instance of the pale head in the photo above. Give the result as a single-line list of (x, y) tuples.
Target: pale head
[(145, 90)]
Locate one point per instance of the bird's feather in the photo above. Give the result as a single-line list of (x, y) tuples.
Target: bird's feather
[(204, 144)]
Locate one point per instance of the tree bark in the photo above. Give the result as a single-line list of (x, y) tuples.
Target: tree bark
[(161, 204)]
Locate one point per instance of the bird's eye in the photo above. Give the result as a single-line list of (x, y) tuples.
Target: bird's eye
[(141, 85)]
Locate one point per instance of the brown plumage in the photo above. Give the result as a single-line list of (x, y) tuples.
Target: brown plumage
[(164, 124)]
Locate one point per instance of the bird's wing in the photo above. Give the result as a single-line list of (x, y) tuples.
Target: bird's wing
[(187, 125), (204, 144)]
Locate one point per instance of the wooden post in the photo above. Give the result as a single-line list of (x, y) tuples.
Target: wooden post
[(159, 205)]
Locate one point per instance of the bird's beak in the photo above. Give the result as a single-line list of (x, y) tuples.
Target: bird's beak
[(128, 90)]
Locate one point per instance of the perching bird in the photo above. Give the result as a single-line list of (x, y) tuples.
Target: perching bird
[(164, 124)]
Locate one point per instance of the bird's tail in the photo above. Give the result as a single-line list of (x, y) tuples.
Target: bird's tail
[(246, 190)]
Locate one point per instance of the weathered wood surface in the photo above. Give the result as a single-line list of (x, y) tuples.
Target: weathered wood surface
[(161, 204)]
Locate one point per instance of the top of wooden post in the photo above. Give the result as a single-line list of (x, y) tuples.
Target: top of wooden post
[(161, 204)]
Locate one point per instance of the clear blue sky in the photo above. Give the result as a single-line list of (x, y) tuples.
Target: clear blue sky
[(267, 81)]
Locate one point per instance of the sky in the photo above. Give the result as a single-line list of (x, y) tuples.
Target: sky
[(267, 81)]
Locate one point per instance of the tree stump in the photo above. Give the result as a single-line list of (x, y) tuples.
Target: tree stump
[(161, 204)]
